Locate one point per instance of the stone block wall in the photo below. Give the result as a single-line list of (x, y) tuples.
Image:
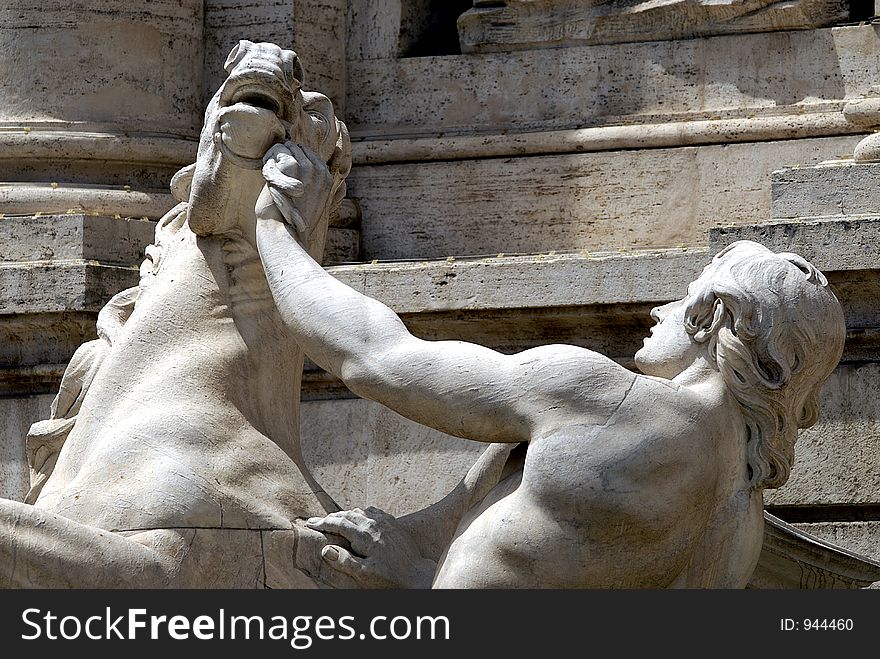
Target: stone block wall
[(509, 197)]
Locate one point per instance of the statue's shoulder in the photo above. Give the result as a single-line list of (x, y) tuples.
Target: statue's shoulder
[(659, 437), (653, 466), (672, 407)]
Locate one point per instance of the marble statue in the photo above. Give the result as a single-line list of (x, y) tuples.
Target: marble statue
[(595, 476), (172, 457)]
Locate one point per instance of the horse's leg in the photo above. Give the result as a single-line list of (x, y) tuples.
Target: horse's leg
[(39, 549)]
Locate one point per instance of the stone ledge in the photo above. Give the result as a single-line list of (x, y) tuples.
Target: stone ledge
[(524, 24), (34, 346), (58, 286), (109, 240), (842, 248), (637, 199), (832, 244), (525, 281), (23, 199), (501, 282), (835, 189), (369, 150), (659, 82), (792, 558), (836, 460), (860, 537)]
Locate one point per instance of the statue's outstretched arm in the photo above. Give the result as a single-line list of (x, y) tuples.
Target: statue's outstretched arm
[(458, 388)]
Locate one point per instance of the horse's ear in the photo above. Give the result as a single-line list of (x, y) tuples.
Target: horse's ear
[(293, 66), (181, 183), (237, 54)]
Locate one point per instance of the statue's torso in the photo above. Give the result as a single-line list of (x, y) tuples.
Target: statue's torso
[(632, 503)]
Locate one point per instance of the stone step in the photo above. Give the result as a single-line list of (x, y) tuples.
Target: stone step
[(841, 189), (641, 198)]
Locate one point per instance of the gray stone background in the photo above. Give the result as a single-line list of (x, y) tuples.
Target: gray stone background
[(548, 194)]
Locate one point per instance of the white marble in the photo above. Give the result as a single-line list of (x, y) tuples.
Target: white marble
[(173, 444), (596, 476)]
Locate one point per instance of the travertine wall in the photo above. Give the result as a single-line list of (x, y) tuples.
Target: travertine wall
[(572, 157)]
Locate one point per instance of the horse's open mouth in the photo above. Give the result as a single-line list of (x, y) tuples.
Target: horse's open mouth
[(258, 97)]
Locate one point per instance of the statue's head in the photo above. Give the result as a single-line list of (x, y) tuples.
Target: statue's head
[(773, 329), (261, 103)]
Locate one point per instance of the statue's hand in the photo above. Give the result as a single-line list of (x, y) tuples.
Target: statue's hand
[(383, 554), (298, 187)]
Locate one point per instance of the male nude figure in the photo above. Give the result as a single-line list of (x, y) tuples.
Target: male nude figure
[(621, 480)]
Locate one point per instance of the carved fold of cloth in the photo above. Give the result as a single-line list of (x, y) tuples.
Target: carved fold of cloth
[(46, 438), (524, 24)]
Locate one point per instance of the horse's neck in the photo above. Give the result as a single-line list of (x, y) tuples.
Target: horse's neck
[(248, 290), (209, 310)]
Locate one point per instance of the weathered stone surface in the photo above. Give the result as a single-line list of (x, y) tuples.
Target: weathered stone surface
[(841, 189), (108, 240), (526, 282), (593, 201), (228, 21), (103, 62), (101, 103), (26, 198), (363, 454), (320, 38), (792, 558), (16, 417), (785, 73), (35, 347), (343, 246), (859, 537), (76, 285), (517, 24), (842, 244), (836, 460)]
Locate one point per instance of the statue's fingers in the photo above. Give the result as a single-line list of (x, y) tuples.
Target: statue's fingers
[(287, 179), (359, 532), (305, 156), (340, 560), (358, 518), (335, 524), (289, 211), (275, 151), (354, 515)]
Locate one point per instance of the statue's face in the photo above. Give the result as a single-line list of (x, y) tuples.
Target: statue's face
[(669, 349), (256, 106)]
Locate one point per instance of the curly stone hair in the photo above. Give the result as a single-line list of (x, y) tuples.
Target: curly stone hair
[(776, 332)]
